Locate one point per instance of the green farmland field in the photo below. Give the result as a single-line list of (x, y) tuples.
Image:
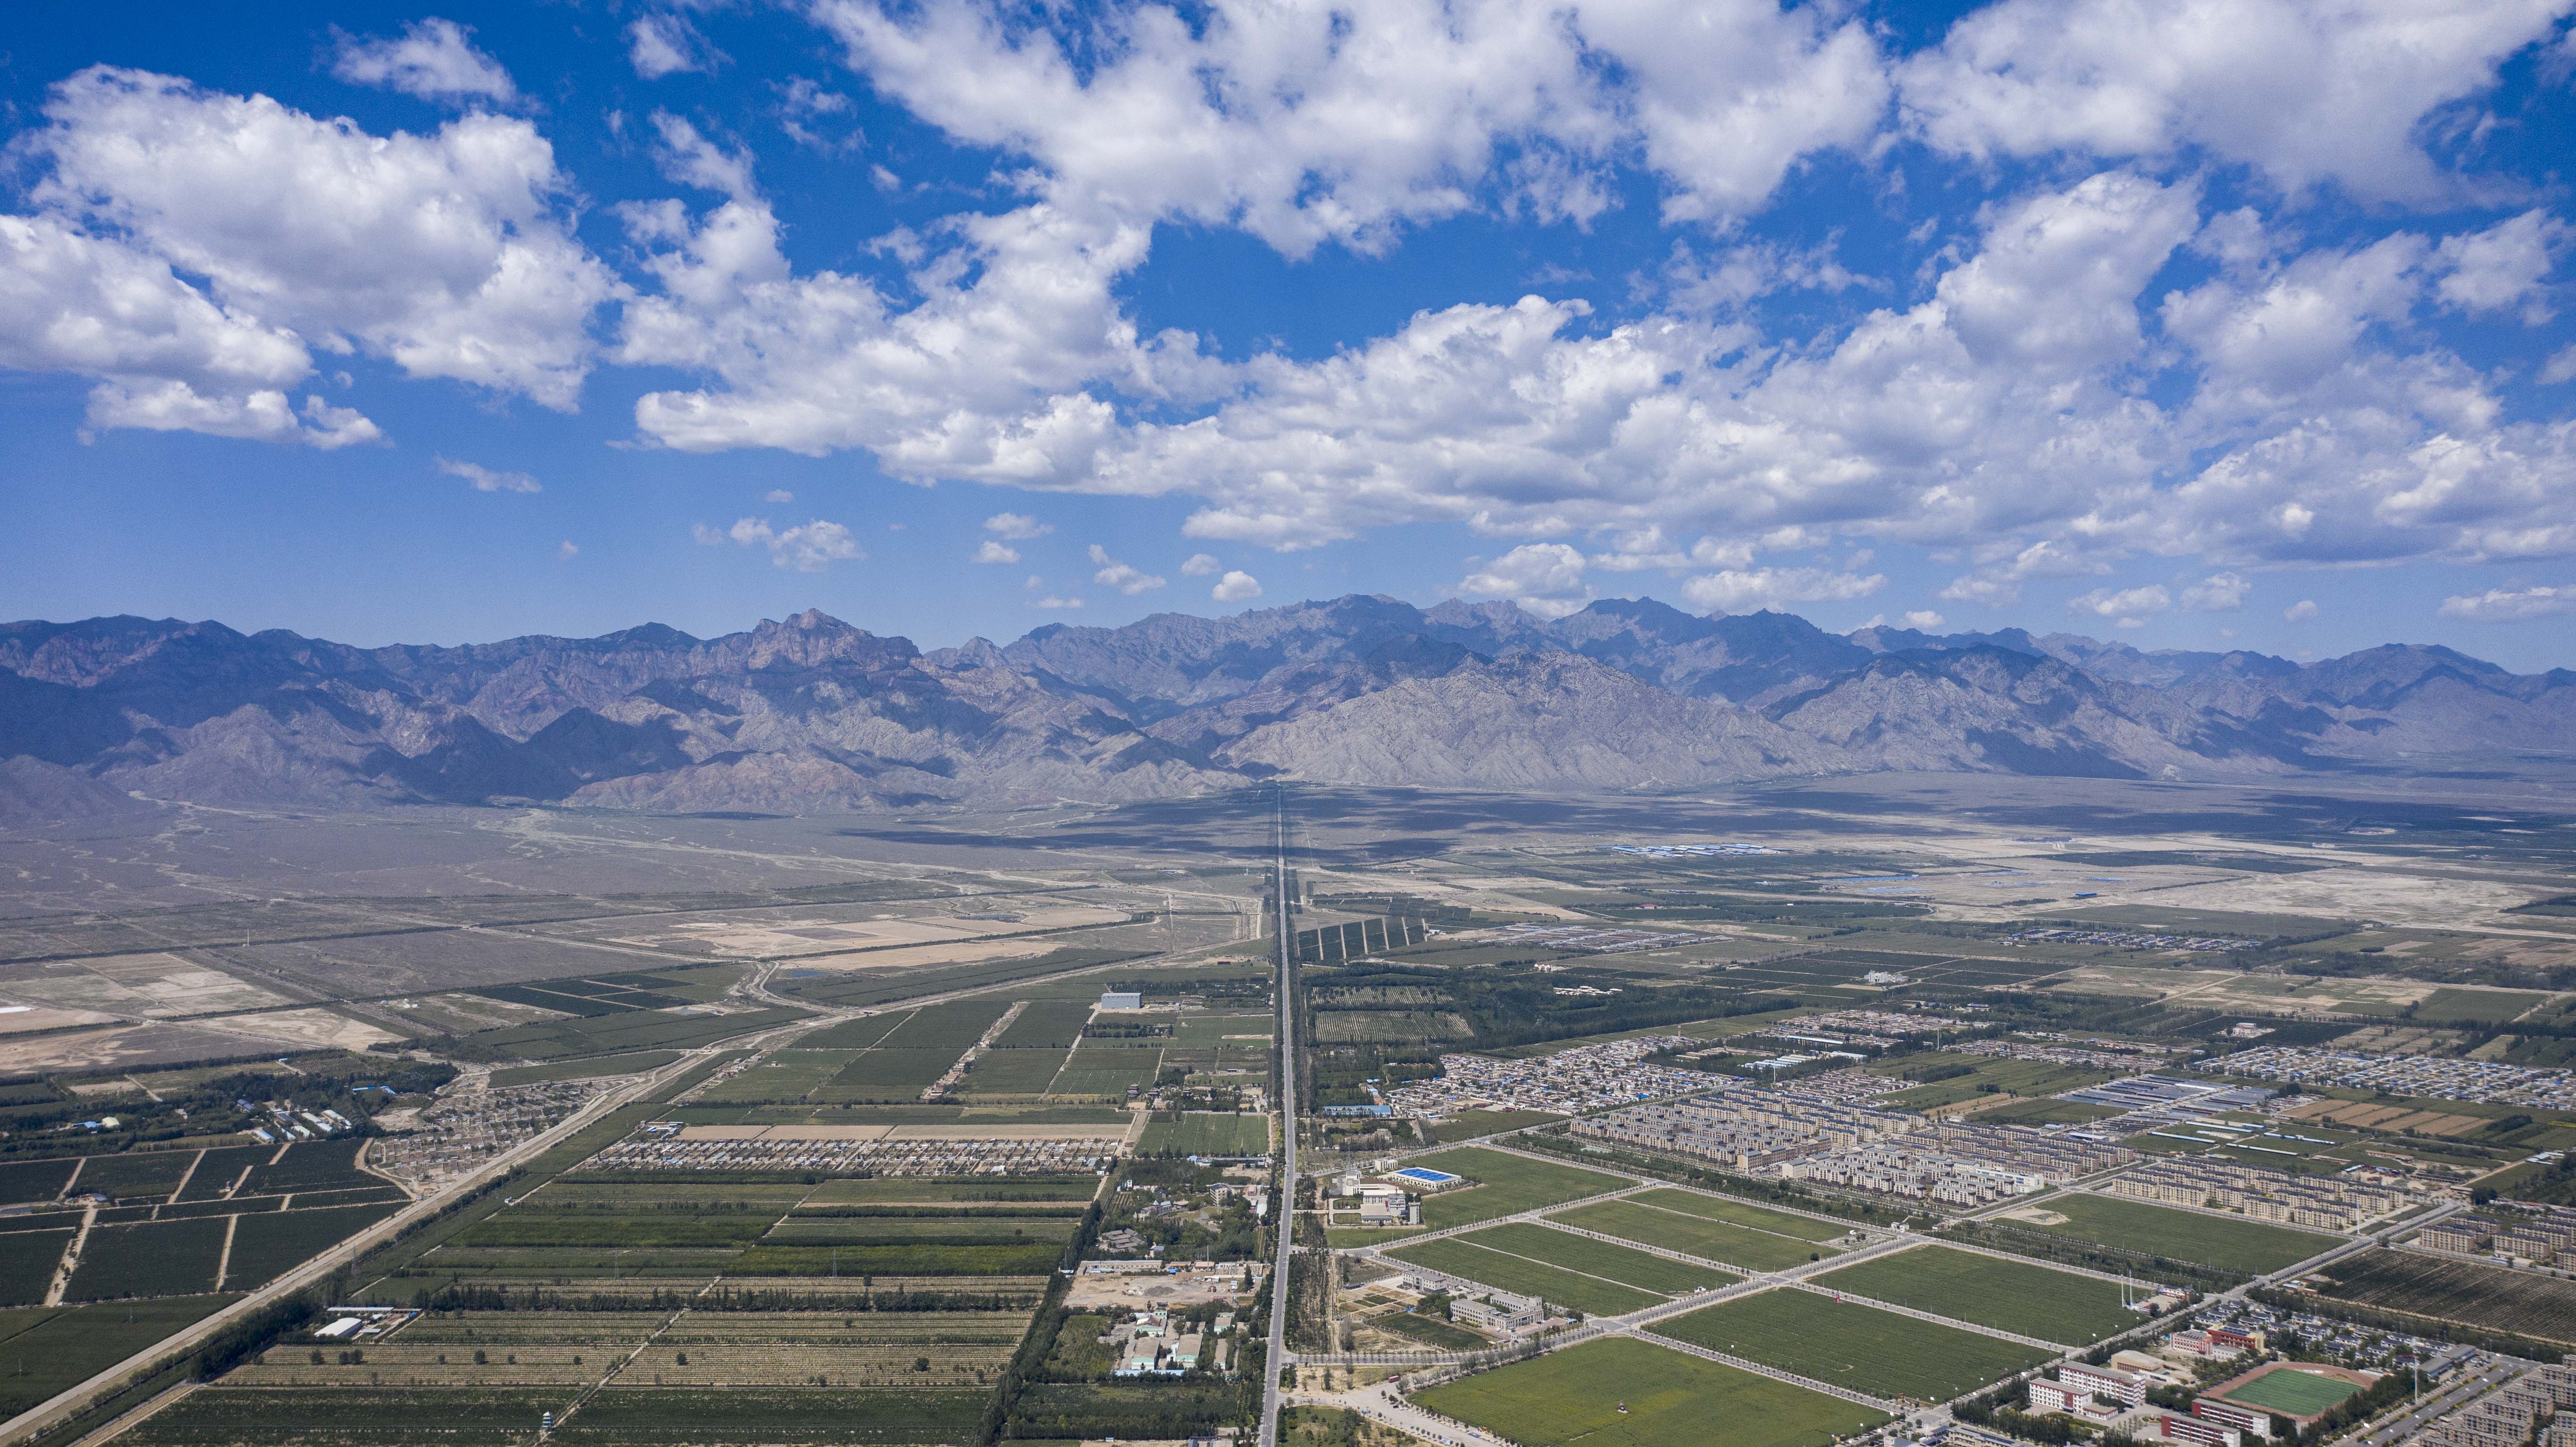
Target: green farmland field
[(2252, 1247), (951, 1027), (1672, 1400), (885, 1075), (27, 1262), (1107, 1070), (272, 1242), (782, 1075), (1046, 1024), (1640, 1269), (1511, 1184), (1854, 1346), (1013, 1072), (1741, 1213), (1207, 1133), (160, 1258), (2015, 1296), (1458, 1256), (44, 1350), (1698, 1235), (376, 1417)]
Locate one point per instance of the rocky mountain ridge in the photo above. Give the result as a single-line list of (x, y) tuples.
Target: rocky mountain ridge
[(810, 714)]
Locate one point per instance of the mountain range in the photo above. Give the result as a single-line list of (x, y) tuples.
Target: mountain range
[(812, 715)]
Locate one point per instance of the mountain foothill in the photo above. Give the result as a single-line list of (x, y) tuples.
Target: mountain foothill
[(813, 715)]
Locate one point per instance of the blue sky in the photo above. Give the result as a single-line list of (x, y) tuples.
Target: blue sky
[(2223, 325)]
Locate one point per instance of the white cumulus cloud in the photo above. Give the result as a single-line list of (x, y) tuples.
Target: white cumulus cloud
[(2301, 611), (484, 479), (1018, 527), (1751, 590), (1544, 578), (2510, 605), (1199, 565), (434, 60), (1115, 574), (1235, 587), (807, 547), (995, 550)]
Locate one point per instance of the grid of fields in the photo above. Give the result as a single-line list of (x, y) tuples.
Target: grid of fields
[(1630, 1219), (2013, 1296), (849, 1311), (1622, 1392), (2252, 1247), (192, 1222), (1852, 1345)]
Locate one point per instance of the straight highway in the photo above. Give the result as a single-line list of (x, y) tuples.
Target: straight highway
[(1275, 1360)]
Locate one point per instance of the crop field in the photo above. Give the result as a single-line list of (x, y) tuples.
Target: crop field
[(1507, 1185), (1095, 1069), (1740, 1213), (34, 1180), (623, 1032), (157, 1258), (348, 1416), (980, 1235), (2252, 1247), (1852, 1345), (1625, 1265), (1208, 1133), (272, 1242), (223, 1168), (1622, 1392), (2463, 1291), (44, 1350), (590, 1069), (1046, 1025), (781, 1075), (951, 1026), (1696, 1235), (1214, 1029), (27, 1262), (134, 1174), (1457, 1256), (310, 1166), (1014, 1072), (885, 1074), (2015, 1296)]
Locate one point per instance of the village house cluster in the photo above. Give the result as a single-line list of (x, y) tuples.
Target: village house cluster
[(1586, 1077), (458, 1133), (2428, 1076), (2343, 1202), (1789, 1134), (2538, 1240)]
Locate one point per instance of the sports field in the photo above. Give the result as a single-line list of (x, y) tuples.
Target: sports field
[(2014, 1296), (2291, 1392), (2228, 1244), (1698, 1235), (1458, 1256), (1852, 1345), (1509, 1184), (1672, 1399)]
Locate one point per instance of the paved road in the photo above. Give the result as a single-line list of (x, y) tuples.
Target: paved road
[(1276, 1359)]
